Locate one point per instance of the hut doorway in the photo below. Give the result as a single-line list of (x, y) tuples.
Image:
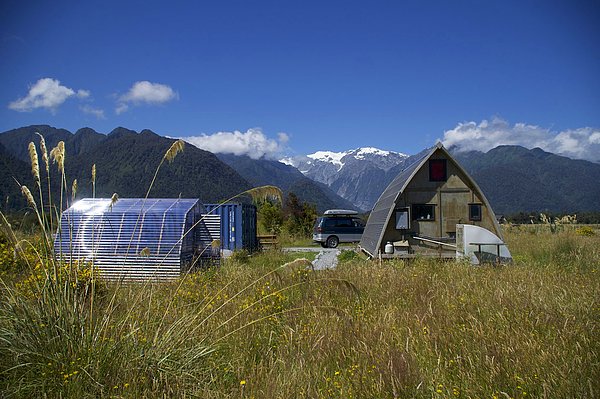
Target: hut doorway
[(454, 210)]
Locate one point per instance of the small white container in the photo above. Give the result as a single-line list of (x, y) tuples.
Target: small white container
[(389, 248)]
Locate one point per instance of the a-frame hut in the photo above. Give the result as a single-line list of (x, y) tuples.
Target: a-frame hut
[(419, 211)]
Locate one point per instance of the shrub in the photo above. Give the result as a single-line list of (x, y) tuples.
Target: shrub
[(347, 255), (585, 231), (270, 217), (240, 256)]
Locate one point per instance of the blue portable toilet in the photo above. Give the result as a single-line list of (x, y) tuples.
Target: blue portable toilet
[(238, 225)]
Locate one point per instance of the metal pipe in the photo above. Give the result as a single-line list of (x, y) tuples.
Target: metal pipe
[(434, 242)]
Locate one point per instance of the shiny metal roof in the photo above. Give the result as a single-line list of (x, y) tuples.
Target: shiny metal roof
[(132, 238)]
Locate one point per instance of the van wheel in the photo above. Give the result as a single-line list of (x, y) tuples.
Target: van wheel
[(324, 244), (332, 242)]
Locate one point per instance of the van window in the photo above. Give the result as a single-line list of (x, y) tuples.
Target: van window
[(330, 222), (344, 222)]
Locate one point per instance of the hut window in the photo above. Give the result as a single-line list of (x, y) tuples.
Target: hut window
[(437, 170), (423, 212), (475, 212), (402, 217)]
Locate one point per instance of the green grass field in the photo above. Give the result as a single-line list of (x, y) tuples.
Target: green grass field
[(268, 327)]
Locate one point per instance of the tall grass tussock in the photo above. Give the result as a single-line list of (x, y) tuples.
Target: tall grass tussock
[(268, 326)]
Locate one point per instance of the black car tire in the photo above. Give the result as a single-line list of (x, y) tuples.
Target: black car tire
[(324, 244), (332, 242)]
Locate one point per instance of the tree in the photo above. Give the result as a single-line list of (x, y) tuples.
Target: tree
[(270, 216), (299, 216)]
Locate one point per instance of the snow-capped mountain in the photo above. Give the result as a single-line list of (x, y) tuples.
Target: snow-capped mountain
[(354, 175), (381, 158), (552, 183)]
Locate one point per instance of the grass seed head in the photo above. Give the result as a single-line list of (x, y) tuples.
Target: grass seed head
[(145, 252), (113, 200), (265, 193), (175, 149), (74, 188), (44, 150), (94, 173), (58, 155), (35, 166), (28, 195), (568, 219), (545, 219)]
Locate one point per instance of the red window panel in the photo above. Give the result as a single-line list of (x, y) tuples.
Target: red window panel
[(437, 170)]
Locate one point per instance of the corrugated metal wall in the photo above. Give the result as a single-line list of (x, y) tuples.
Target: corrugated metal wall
[(132, 239), (209, 241), (238, 225)]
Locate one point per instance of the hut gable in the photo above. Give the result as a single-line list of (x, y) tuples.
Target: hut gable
[(427, 200)]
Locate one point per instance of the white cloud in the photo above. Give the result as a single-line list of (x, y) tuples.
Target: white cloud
[(145, 92), (253, 143), (582, 143), (83, 93), (283, 138), (594, 138), (121, 108), (46, 93), (97, 112)]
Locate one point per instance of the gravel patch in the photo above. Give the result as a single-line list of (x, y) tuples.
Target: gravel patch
[(326, 259)]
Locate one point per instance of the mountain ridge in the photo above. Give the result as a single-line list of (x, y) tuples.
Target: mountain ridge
[(125, 163), (357, 175), (126, 160), (513, 178), (263, 171)]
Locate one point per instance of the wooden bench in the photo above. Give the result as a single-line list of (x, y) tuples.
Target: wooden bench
[(267, 241)]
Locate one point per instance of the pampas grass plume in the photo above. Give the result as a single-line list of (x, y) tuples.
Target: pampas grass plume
[(265, 192), (113, 200), (29, 197), (74, 189), (145, 252), (58, 155), (44, 150), (175, 149), (94, 173), (35, 166)]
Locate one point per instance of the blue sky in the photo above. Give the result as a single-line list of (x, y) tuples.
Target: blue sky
[(276, 77)]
